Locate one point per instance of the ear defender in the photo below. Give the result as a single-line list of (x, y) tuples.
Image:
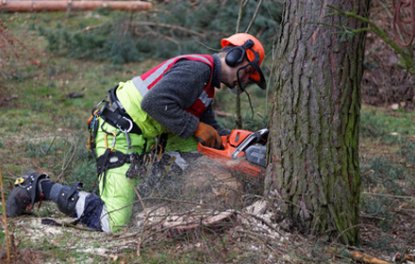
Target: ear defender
[(236, 54)]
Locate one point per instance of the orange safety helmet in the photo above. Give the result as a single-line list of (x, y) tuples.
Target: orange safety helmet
[(254, 53)]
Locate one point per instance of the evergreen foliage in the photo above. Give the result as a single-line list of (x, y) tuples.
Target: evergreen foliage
[(173, 28)]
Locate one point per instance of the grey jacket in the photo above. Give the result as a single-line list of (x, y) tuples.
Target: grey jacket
[(178, 90)]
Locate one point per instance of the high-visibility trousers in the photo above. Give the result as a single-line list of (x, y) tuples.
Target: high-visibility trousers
[(115, 189)]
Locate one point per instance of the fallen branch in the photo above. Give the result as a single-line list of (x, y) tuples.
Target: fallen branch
[(357, 256), (389, 195), (224, 114), (69, 5), (402, 258)]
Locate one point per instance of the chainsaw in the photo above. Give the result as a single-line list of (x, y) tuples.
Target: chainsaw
[(243, 151)]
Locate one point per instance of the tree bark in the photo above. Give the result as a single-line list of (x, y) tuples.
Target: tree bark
[(313, 172)]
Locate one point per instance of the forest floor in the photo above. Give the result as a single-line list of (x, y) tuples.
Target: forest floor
[(45, 104)]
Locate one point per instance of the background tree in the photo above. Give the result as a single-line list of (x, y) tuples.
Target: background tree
[(389, 77), (314, 162)]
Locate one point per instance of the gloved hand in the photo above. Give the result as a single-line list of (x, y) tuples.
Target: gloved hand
[(208, 136)]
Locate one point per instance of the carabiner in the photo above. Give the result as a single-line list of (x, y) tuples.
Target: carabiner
[(129, 128)]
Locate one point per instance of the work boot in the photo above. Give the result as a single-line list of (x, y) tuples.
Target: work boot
[(27, 191)]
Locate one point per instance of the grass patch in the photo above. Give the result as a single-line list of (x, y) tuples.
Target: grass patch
[(85, 171), (383, 243), (386, 176), (386, 125), (387, 167), (378, 208), (407, 152)]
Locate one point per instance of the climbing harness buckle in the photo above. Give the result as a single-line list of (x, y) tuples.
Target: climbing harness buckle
[(129, 128)]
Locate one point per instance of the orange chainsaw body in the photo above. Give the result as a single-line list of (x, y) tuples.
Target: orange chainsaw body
[(224, 156)]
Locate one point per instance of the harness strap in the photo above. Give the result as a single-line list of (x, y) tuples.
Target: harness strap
[(114, 113), (114, 159), (111, 159)]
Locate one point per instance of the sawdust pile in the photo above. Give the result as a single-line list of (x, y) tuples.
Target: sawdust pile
[(187, 181)]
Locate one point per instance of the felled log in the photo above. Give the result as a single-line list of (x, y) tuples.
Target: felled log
[(367, 259), (178, 225), (174, 224), (69, 5)]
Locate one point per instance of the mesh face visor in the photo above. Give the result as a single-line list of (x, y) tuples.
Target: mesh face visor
[(256, 77)]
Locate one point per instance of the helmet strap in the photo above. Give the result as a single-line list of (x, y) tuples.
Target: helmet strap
[(238, 74)]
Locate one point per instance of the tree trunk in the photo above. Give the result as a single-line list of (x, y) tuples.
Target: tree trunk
[(314, 164)]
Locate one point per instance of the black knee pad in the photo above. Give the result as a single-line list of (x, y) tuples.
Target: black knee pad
[(67, 199)]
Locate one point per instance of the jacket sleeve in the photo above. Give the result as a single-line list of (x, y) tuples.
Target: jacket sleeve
[(178, 89)]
